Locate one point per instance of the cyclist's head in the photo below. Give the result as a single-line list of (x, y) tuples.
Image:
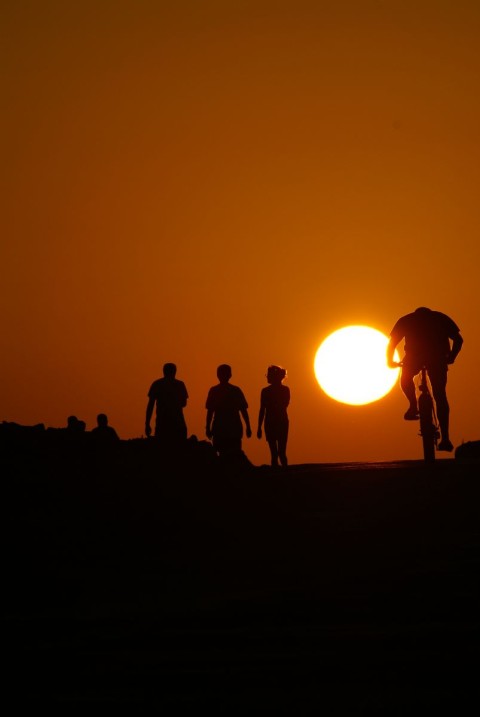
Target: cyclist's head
[(275, 374), (422, 310)]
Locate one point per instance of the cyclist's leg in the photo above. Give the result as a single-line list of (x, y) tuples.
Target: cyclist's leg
[(438, 379), (409, 371)]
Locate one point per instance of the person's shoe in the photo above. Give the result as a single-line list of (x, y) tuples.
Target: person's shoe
[(445, 445), (411, 414)]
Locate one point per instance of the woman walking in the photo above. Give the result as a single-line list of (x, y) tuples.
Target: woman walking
[(274, 400)]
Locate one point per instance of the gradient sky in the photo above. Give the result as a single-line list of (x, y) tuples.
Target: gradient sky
[(209, 181)]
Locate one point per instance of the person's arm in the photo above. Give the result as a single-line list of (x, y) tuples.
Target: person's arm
[(246, 418), (457, 342), (208, 429), (391, 346), (261, 416), (148, 416)]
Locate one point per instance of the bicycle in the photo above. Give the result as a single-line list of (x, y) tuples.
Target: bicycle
[(429, 430)]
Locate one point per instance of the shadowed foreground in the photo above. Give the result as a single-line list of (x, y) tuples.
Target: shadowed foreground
[(352, 588)]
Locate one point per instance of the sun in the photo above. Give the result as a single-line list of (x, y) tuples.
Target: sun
[(350, 365)]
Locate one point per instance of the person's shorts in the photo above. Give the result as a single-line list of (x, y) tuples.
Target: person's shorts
[(437, 370)]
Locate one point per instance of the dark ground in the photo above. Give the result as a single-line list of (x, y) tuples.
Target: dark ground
[(351, 589)]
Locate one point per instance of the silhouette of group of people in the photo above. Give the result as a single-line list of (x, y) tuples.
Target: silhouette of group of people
[(102, 433), (227, 413), (432, 339), (71, 438)]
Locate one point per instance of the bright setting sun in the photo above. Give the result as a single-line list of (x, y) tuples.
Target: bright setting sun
[(350, 365)]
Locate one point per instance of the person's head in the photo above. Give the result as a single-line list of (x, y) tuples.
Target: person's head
[(423, 310), (169, 370), (275, 374), (224, 373), (102, 420), (74, 424)]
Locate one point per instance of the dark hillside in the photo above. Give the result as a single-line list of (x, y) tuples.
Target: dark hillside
[(133, 578)]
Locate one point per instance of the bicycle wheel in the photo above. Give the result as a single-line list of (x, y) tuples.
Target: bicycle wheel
[(427, 426)]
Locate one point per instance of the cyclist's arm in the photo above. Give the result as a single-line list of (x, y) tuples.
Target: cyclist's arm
[(391, 346), (457, 342)]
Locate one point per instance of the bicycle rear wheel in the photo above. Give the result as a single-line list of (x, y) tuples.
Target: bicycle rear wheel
[(427, 427)]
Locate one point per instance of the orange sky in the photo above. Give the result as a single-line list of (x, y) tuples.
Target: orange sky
[(209, 182)]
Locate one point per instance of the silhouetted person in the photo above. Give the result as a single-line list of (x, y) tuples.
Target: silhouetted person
[(74, 436), (225, 405), (74, 425), (274, 400), (432, 339), (103, 433), (170, 395)]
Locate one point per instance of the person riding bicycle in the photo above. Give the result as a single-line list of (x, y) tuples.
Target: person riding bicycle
[(433, 340)]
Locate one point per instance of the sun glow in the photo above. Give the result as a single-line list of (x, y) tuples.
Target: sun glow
[(350, 365)]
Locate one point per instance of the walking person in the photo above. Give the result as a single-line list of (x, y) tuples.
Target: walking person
[(226, 406), (170, 397), (274, 400)]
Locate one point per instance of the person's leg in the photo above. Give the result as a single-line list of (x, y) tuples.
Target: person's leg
[(272, 444), (407, 385), (282, 451), (218, 444), (438, 379), (282, 444), (231, 447)]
